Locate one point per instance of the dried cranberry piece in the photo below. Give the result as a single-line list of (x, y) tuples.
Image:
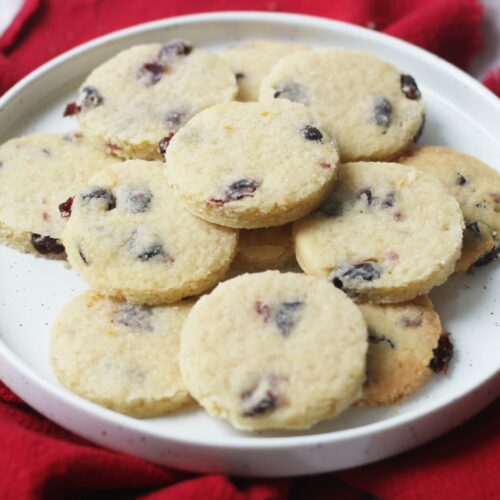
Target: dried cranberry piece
[(71, 109), (236, 191), (163, 144), (174, 49), (473, 229), (365, 192), (263, 310), (261, 399), (46, 244), (388, 201), (90, 98), (487, 258), (287, 315), (382, 111), (150, 73), (174, 119), (292, 91), (411, 322), (65, 207), (134, 316), (409, 87), (99, 194), (461, 180), (420, 131), (139, 200), (331, 207), (374, 338), (310, 133), (366, 271), (442, 354), (150, 252)]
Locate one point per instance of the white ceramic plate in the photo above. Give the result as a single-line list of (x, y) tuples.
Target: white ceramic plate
[(461, 114)]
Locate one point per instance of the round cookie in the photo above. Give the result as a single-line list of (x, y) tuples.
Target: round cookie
[(386, 233), (263, 249), (251, 165), (475, 185), (121, 356), (146, 93), (37, 173), (129, 237), (274, 351), (404, 349), (251, 61), (372, 109)]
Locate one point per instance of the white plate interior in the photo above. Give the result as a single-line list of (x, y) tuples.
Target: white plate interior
[(459, 114)]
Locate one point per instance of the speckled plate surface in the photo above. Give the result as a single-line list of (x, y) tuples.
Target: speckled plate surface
[(461, 114)]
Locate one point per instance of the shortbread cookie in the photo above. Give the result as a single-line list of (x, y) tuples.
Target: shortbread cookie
[(404, 349), (121, 356), (37, 173), (478, 247), (146, 93), (129, 237), (252, 61), (373, 109), (386, 233), (263, 249), (274, 351), (475, 185), (250, 165)]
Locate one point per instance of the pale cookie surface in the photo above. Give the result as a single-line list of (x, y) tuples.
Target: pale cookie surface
[(121, 356), (274, 351), (251, 165), (263, 249), (404, 349), (386, 233), (251, 62), (129, 237), (475, 185), (372, 109), (147, 92), (37, 173)]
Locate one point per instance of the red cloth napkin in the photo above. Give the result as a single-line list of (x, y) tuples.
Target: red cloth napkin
[(38, 459)]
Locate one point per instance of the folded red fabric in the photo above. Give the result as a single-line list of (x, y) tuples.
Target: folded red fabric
[(38, 459)]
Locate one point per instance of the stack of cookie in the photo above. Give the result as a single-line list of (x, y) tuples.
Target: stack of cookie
[(181, 187)]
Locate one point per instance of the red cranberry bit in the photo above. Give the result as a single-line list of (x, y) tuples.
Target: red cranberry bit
[(367, 193), (326, 166), (287, 316), (411, 321), (310, 133), (292, 91), (150, 73), (374, 338), (487, 258), (65, 207), (163, 144), (174, 49), (442, 354), (90, 98), (235, 191), (45, 216), (391, 256), (134, 316), (261, 399), (398, 216), (365, 271), (461, 180), (263, 310), (382, 111), (409, 87), (46, 244), (71, 109), (113, 147), (418, 135)]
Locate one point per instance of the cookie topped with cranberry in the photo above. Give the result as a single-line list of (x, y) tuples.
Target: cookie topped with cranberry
[(129, 237), (386, 233), (476, 186), (252, 60), (406, 346), (121, 356), (38, 172), (373, 109), (146, 93), (251, 165), (274, 351)]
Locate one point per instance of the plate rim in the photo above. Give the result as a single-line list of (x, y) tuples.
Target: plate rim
[(248, 441)]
